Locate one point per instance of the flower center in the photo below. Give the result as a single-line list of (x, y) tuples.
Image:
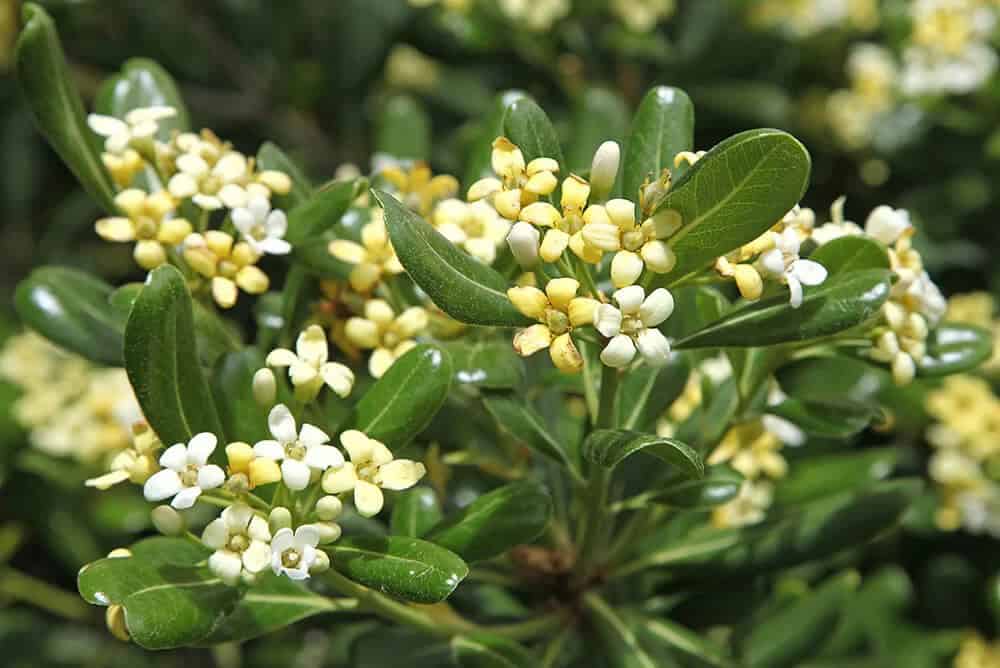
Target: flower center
[(295, 450), (238, 542), (631, 325), (556, 321), (367, 471), (145, 228), (258, 232), (189, 477), (633, 240), (210, 185), (290, 558), (227, 268)]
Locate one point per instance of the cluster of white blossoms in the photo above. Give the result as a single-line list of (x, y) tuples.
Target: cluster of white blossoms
[(70, 407), (172, 192)]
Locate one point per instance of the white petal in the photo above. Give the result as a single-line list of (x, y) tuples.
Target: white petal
[(310, 436), (186, 498), (106, 126), (277, 222), (654, 347), (269, 450), (400, 474), (174, 457), (281, 357), (323, 457), (230, 166), (367, 499), (295, 573), (282, 424), (306, 536), (226, 565), (243, 219), (257, 556), (192, 164), (182, 185), (338, 377), (619, 352), (357, 444), (786, 432), (237, 516), (808, 272), (794, 292), (215, 534), (283, 539), (210, 477), (311, 346), (607, 320), (207, 202), (201, 447), (773, 262), (162, 485), (258, 529), (657, 307), (295, 473), (233, 195), (274, 246), (630, 299)]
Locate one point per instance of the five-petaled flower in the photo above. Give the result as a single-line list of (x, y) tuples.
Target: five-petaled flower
[(149, 221), (294, 554), (783, 262), (240, 539), (372, 258), (558, 310), (388, 336), (308, 367), (372, 468), (140, 124), (299, 451), (262, 227), (186, 472), (633, 325)]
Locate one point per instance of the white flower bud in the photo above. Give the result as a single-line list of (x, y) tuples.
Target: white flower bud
[(523, 240), (167, 521), (604, 170), (280, 518), (626, 267), (328, 508), (320, 564), (903, 369), (328, 531), (265, 388)]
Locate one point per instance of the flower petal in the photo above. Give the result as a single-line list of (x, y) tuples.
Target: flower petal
[(269, 450), (337, 481), (257, 556), (283, 539), (201, 447), (323, 457), (657, 307), (357, 444), (338, 377), (306, 536), (654, 347), (794, 291), (808, 272), (174, 457), (400, 474), (311, 346), (186, 498), (629, 299), (162, 485), (619, 352), (282, 424), (295, 473), (226, 565), (281, 357), (367, 499), (215, 534), (311, 436), (211, 476), (608, 320)]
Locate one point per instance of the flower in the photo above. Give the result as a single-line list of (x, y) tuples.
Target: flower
[(240, 539), (308, 367), (136, 463), (231, 267), (148, 221), (837, 227), (214, 186), (294, 554), (558, 310), (417, 188), (371, 469), (262, 228), (563, 227), (517, 185), (186, 472), (389, 336), (641, 16), (372, 258), (887, 224), (140, 124), (748, 508), (299, 452), (783, 262), (612, 228), (632, 325), (475, 227)]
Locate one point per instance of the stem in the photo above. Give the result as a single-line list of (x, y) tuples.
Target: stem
[(554, 649), (39, 593)]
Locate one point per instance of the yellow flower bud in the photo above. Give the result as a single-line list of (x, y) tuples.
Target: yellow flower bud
[(560, 291), (583, 250), (606, 236), (532, 302), (149, 254), (622, 213), (114, 619), (748, 281), (506, 158), (242, 254), (903, 369), (263, 471), (483, 188), (224, 292), (160, 204), (658, 256), (541, 214), (379, 312), (173, 231), (508, 203), (553, 245), (239, 455), (575, 193), (625, 268), (252, 280), (362, 332), (532, 339), (604, 169), (220, 243), (277, 182), (411, 322), (564, 354), (581, 311), (542, 183), (539, 165)]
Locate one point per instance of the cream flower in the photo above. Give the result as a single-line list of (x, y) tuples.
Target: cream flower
[(186, 472), (372, 468), (389, 336), (563, 227), (632, 325), (308, 367), (612, 227), (372, 258), (231, 267), (783, 263), (300, 452), (262, 227), (887, 224), (241, 543), (516, 184), (476, 227), (213, 186), (418, 188), (294, 554), (148, 221), (558, 310), (139, 125)]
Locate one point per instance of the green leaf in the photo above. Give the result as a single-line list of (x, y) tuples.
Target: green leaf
[(840, 303), (797, 631), (850, 254), (270, 156), (733, 194), (647, 391), (403, 402), (477, 163), (815, 477), (527, 125), (48, 89), (385, 645), (835, 419), (463, 287), (671, 635), (71, 309), (955, 348), (829, 379), (663, 126), (403, 129), (815, 531), (408, 568), (232, 386), (523, 423), (617, 634), (143, 83), (271, 603), (322, 211), (161, 358), (708, 423), (720, 484), (511, 515), (482, 650), (608, 447), (414, 512), (174, 551), (599, 115), (315, 255), (487, 364)]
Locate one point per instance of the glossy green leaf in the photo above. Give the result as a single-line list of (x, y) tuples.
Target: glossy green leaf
[(663, 126), (840, 419), (599, 115), (143, 83), (526, 125), (161, 358), (955, 348), (270, 156), (829, 379), (849, 254), (322, 211), (403, 129), (733, 194), (696, 307), (608, 447), (488, 364), (511, 515), (45, 80), (840, 303), (71, 309), (814, 477), (523, 422), (684, 641), (463, 287), (174, 551), (232, 386), (481, 650), (414, 512), (477, 163), (400, 566), (402, 403), (720, 484), (647, 391)]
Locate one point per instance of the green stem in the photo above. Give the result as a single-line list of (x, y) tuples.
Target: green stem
[(554, 649), (39, 593)]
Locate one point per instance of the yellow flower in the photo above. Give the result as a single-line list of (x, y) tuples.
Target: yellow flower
[(309, 368), (975, 308), (612, 227), (372, 468), (558, 310), (752, 450), (389, 336), (230, 267), (148, 221), (749, 507), (517, 184), (563, 227), (476, 227), (417, 188), (372, 258), (976, 652)]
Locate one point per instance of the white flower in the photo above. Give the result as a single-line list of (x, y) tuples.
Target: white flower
[(308, 367), (783, 263), (299, 453), (240, 540), (141, 123), (633, 325), (524, 240), (262, 227), (186, 472), (215, 186), (887, 224), (293, 554), (371, 469)]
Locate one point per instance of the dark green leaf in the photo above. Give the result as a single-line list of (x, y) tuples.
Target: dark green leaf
[(463, 287), (270, 156), (829, 379), (48, 89), (71, 309), (840, 303), (403, 129), (955, 348), (173, 551), (697, 307), (481, 650), (719, 485), (733, 194), (322, 211), (511, 515), (608, 447), (647, 391), (143, 83), (526, 125), (849, 254), (523, 422), (815, 477), (161, 358), (490, 364), (400, 566), (414, 512), (385, 645), (839, 419), (232, 385), (683, 640), (663, 126), (402, 402)]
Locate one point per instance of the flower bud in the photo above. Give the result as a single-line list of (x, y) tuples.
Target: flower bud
[(167, 521), (541, 214), (748, 281), (114, 619), (575, 193), (532, 339), (280, 518), (149, 254), (581, 311), (483, 188), (560, 291), (622, 213), (604, 169), (658, 256), (583, 250), (508, 203), (265, 388), (320, 564), (277, 182), (329, 532), (625, 268), (523, 240), (553, 245), (328, 508), (903, 369), (542, 183), (564, 354), (531, 302)]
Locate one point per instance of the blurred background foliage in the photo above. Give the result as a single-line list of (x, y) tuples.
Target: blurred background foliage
[(325, 80)]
